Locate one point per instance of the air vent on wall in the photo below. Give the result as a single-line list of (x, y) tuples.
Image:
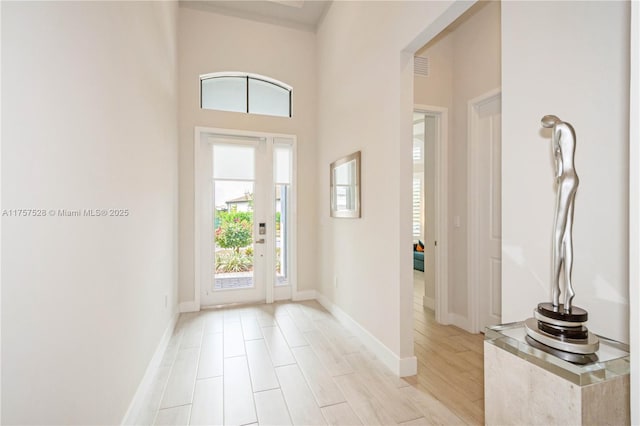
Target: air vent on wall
[(421, 66)]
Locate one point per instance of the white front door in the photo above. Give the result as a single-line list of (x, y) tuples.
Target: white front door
[(244, 219), (488, 116)]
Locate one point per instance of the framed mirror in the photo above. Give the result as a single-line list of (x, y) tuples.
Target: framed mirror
[(345, 186)]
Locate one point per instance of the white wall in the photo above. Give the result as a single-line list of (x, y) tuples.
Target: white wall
[(365, 102), (634, 213), (436, 88), (0, 220), (465, 63), (89, 121), (570, 59), (210, 42)]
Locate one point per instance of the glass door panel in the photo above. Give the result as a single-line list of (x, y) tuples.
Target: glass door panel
[(235, 271), (233, 234)]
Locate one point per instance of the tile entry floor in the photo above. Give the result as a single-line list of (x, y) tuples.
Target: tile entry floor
[(293, 363)]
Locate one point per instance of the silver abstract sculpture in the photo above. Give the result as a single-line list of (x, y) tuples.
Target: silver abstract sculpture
[(563, 143), (560, 328)]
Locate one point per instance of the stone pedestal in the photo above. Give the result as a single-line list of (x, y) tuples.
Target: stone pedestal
[(524, 385)]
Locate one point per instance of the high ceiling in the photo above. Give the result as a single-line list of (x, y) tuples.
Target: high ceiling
[(302, 14)]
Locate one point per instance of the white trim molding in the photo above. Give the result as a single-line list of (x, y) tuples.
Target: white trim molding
[(429, 302), (401, 366), (441, 302), (459, 321), (191, 306), (140, 398), (304, 295), (634, 213)]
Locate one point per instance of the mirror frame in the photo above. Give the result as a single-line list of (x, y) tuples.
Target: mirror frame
[(345, 213)]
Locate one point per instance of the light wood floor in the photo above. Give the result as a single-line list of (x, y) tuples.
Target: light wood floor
[(293, 363), (450, 362)]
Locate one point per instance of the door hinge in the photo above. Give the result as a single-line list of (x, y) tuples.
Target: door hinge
[(435, 243)]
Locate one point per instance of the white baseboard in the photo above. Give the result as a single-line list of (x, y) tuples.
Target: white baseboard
[(139, 400), (304, 295), (191, 306), (407, 366), (460, 321), (281, 292), (428, 302), (400, 366)]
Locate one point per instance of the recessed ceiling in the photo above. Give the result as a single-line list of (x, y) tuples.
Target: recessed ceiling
[(301, 14)]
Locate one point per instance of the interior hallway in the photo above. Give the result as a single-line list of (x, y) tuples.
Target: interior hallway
[(293, 363)]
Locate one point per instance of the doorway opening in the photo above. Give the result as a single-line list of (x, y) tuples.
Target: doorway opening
[(430, 124), (244, 217), (458, 59), (463, 63)]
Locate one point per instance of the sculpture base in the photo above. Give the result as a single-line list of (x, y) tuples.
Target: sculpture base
[(577, 346), (580, 359), (575, 314), (562, 333)]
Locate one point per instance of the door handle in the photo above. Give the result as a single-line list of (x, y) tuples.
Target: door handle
[(260, 241)]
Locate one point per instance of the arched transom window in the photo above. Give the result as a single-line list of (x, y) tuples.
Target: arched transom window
[(243, 92)]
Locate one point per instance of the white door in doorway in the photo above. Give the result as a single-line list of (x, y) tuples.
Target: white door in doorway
[(485, 190), (245, 218)]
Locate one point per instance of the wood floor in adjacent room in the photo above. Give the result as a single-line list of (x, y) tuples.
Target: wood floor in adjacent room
[(293, 363), (450, 361)]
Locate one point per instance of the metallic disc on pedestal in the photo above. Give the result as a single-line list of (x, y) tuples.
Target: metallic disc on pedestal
[(567, 356), (561, 332), (558, 313), (537, 315), (568, 345)]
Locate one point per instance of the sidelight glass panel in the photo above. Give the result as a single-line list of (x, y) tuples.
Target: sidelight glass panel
[(282, 234), (282, 156), (283, 165)]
